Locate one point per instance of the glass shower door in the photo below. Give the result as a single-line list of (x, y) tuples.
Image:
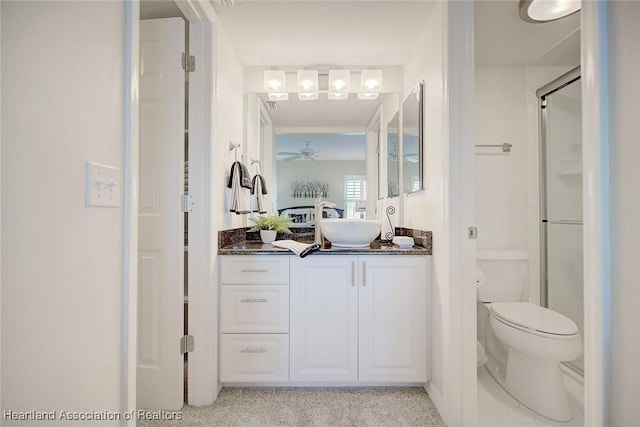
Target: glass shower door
[(561, 204)]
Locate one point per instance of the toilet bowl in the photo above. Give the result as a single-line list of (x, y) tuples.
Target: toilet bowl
[(537, 340)]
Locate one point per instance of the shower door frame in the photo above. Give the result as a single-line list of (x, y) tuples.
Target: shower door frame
[(561, 82)]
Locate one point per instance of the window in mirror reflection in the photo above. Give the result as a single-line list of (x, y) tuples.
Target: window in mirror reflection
[(355, 196), (336, 161)]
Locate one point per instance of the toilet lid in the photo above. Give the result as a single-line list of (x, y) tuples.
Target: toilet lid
[(534, 317)]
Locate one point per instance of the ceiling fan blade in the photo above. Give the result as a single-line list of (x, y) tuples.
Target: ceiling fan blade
[(313, 159), (297, 156), (289, 153)]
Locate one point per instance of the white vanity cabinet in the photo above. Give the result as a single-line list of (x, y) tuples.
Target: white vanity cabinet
[(359, 318), (324, 318), (254, 318)]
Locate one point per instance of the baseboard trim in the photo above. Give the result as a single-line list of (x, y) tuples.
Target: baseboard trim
[(437, 399)]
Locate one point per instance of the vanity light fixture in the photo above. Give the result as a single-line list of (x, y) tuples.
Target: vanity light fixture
[(367, 96), (547, 10), (307, 96), (338, 96), (339, 84), (275, 83), (307, 85), (370, 84), (278, 96)]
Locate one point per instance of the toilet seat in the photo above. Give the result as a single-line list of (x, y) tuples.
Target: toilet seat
[(534, 319)]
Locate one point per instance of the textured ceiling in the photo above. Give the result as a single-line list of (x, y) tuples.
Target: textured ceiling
[(277, 33), (371, 33), (502, 38)]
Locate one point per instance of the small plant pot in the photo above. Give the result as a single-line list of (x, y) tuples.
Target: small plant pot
[(268, 236)]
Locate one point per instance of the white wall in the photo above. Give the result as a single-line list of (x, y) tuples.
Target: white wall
[(501, 178), (229, 127), (425, 209), (625, 211), (1, 404), (443, 57), (332, 172), (62, 103)]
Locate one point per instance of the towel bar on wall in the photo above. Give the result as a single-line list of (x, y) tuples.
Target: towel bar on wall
[(506, 147)]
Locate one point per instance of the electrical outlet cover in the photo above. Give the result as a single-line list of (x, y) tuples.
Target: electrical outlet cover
[(103, 185)]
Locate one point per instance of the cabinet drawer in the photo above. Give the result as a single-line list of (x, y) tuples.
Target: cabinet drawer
[(254, 270), (251, 309), (254, 357)]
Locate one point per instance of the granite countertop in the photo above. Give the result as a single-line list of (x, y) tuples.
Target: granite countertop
[(241, 242), (375, 248)]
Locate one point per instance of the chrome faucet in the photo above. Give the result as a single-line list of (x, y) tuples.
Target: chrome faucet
[(320, 205)]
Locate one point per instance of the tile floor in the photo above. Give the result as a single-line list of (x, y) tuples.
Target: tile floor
[(496, 408)]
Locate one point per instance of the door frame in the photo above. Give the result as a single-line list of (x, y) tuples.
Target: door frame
[(594, 41), (460, 368), (202, 369)]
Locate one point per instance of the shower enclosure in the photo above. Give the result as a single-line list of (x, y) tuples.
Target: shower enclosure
[(561, 200)]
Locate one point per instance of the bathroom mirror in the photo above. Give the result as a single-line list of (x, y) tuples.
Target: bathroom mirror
[(331, 165), (325, 148), (393, 174), (412, 136)]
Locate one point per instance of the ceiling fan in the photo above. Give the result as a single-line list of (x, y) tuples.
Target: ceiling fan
[(306, 153), (411, 157)]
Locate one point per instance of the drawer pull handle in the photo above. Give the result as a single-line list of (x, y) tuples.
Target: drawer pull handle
[(254, 300), (254, 270), (253, 350)]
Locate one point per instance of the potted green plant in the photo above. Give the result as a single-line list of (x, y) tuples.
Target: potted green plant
[(270, 225)]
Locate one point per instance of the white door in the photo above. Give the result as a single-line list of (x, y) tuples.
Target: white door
[(324, 319), (161, 223), (393, 318)]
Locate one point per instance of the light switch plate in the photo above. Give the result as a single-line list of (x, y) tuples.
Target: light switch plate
[(103, 185)]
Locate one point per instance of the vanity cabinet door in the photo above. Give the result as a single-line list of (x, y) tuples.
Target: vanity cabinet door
[(324, 318), (393, 318)]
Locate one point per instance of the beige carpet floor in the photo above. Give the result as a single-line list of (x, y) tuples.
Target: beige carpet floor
[(291, 406)]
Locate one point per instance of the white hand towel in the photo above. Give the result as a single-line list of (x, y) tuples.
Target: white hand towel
[(239, 193), (300, 249), (388, 213), (258, 190)]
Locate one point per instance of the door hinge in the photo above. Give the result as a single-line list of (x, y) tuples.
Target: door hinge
[(187, 344), (473, 233), (187, 203), (188, 63)]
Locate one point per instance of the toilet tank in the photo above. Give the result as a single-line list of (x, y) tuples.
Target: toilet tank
[(506, 274)]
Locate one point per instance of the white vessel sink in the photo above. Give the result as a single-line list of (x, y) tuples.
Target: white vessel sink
[(350, 233)]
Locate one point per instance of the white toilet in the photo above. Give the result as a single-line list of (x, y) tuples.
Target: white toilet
[(536, 339)]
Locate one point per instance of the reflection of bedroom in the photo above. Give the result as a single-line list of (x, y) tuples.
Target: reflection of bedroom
[(333, 163)]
